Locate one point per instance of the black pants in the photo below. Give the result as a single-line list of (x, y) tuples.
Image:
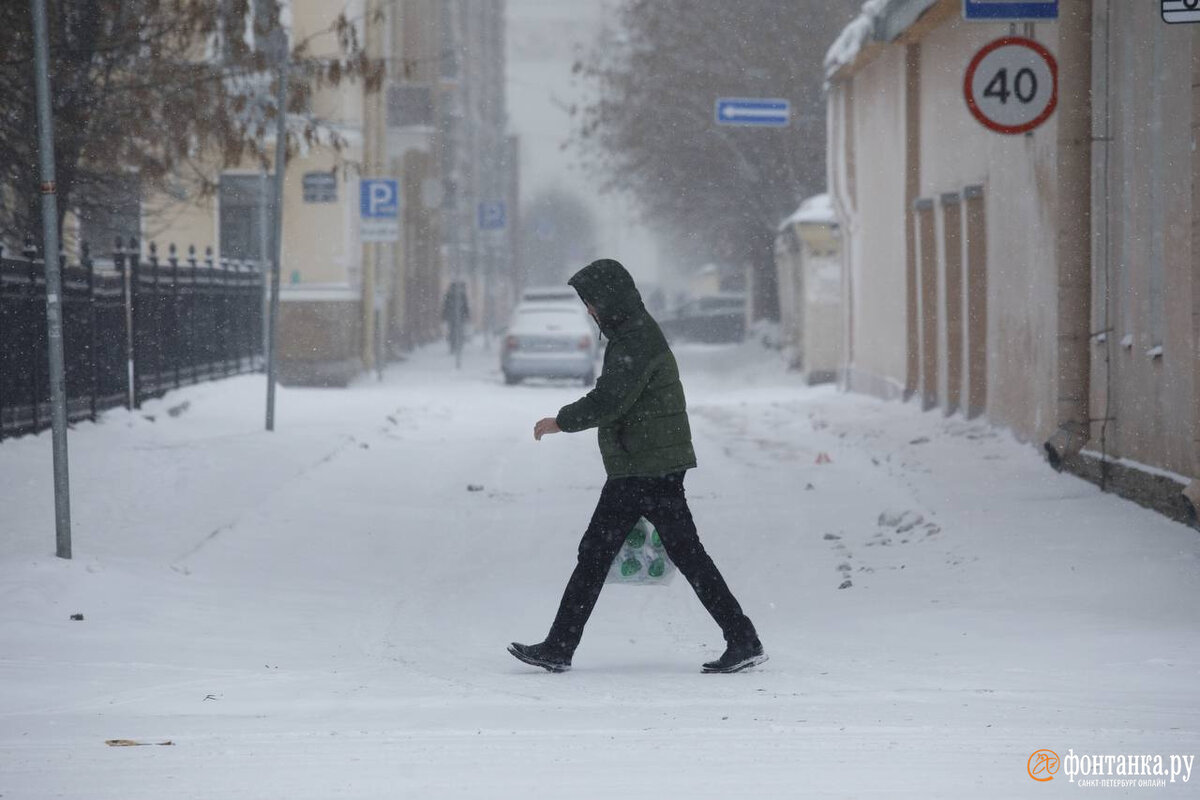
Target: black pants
[(662, 502)]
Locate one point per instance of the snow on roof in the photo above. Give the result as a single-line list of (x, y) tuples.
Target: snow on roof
[(850, 41), (816, 210)]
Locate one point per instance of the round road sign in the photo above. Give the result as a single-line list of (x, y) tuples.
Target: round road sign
[(1011, 85)]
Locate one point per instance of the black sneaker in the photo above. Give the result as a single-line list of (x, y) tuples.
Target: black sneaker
[(539, 655), (737, 658)]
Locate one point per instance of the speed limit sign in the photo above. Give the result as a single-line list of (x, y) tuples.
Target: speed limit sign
[(1011, 85)]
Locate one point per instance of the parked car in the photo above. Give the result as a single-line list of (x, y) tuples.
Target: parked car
[(710, 318), (549, 294), (549, 340)]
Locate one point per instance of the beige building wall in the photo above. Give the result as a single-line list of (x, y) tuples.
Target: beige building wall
[(193, 222), (983, 277), (1144, 253), (311, 24), (320, 327), (955, 153), (317, 237), (867, 184), (1017, 174)]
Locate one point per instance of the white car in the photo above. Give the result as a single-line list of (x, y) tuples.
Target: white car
[(549, 340), (549, 294)]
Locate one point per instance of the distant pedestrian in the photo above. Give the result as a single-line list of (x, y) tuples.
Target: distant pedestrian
[(456, 313), (639, 408)]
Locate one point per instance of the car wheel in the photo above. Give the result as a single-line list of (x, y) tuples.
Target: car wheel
[(589, 379), (511, 379)]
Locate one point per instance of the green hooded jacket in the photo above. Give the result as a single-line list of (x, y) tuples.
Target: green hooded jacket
[(638, 403)]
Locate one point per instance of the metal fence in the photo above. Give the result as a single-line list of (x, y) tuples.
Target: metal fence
[(131, 331)]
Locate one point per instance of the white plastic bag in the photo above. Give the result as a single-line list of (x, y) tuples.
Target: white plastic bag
[(642, 560)]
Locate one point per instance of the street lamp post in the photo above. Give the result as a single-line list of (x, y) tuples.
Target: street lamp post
[(281, 54), (50, 256)]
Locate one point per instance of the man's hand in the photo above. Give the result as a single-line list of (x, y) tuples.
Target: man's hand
[(544, 426)]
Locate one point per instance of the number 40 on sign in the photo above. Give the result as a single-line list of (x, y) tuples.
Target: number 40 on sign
[(1011, 85)]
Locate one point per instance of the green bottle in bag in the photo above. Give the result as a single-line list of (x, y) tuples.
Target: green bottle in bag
[(655, 541), (636, 538), (630, 566), (657, 568)]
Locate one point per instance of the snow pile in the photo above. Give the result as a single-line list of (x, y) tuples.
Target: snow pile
[(816, 210), (854, 36)]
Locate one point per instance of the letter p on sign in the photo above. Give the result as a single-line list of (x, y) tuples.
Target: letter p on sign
[(379, 198), (379, 204)]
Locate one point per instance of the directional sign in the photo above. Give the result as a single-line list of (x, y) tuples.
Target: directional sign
[(1176, 11), (379, 206), (1009, 10), (491, 215), (765, 111), (1011, 85)]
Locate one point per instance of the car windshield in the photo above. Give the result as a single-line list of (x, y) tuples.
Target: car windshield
[(551, 320), (549, 309), (548, 295)]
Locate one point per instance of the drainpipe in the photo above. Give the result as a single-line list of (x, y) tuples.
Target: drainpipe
[(834, 168), (912, 190), (1072, 246), (1192, 492)]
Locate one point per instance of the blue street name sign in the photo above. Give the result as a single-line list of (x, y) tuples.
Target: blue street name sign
[(491, 216), (766, 111), (1009, 10)]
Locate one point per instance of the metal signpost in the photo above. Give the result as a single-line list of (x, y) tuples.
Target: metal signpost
[(58, 393), (1011, 85), (1010, 10), (769, 112), (279, 45), (491, 217), (379, 222)]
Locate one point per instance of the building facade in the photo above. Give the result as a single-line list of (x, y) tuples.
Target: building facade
[(1048, 280), (436, 126)]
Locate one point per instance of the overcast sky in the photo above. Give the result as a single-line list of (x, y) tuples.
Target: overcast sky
[(544, 39)]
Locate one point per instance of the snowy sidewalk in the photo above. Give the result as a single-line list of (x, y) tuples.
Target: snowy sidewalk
[(322, 612)]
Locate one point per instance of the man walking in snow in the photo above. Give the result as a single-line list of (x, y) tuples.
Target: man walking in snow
[(639, 408), (455, 313)]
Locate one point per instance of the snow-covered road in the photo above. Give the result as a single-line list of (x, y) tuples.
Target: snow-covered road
[(322, 612)]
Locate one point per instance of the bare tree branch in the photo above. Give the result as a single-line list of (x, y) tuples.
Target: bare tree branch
[(142, 86), (650, 127)]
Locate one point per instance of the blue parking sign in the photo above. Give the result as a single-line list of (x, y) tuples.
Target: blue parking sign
[(379, 198), (379, 204), (491, 216)]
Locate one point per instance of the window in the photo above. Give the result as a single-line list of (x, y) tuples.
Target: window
[(253, 31), (242, 199), (409, 106)]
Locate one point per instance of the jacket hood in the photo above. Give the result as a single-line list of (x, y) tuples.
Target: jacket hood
[(608, 287)]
